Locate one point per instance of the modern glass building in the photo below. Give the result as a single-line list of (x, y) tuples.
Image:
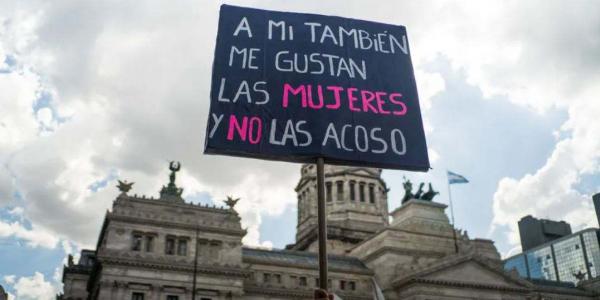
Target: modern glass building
[(562, 259)]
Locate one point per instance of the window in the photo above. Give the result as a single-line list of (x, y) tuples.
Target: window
[(213, 251), (352, 285), (137, 296), (361, 192), (302, 281), (182, 247), (266, 277), (352, 191), (170, 246), (371, 193), (149, 243), (137, 242), (342, 284), (328, 195), (172, 297), (340, 191), (277, 278)]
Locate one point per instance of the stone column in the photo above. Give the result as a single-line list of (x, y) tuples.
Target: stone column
[(121, 288)]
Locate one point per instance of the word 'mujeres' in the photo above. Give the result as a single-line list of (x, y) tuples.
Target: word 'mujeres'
[(351, 98)]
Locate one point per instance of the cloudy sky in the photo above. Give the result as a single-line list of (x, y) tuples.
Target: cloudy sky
[(99, 90)]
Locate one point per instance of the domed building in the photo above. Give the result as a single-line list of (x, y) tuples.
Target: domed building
[(356, 201), (166, 248)]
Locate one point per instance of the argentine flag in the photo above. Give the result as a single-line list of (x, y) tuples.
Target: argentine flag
[(455, 178)]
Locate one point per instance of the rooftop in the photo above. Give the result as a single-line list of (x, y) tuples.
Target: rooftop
[(303, 259)]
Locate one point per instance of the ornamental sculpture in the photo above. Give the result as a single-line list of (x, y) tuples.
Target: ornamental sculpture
[(230, 201), (171, 189), (124, 186), (419, 195)]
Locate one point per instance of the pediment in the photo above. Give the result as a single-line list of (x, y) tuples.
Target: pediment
[(362, 171), (475, 273), (358, 171), (467, 271)]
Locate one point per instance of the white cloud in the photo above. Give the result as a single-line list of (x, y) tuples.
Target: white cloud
[(258, 197), (428, 84), (551, 190), (17, 125), (9, 279), (134, 95), (16, 211), (34, 237), (34, 287), (434, 156), (558, 65)]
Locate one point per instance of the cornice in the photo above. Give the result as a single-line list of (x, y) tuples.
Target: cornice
[(294, 293), (185, 205), (307, 178), (459, 284), (252, 260), (402, 251), (234, 271), (162, 223)]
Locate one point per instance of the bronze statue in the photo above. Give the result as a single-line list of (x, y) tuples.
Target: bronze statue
[(230, 201), (430, 194), (124, 186), (408, 195), (171, 189), (407, 191), (419, 191), (174, 166)]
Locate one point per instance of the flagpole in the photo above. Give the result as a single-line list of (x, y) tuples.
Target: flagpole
[(452, 217)]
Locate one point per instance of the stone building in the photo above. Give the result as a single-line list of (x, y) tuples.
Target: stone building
[(165, 248)]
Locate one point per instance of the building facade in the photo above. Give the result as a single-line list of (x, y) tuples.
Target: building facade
[(534, 232), (596, 200), (165, 248), (564, 259)]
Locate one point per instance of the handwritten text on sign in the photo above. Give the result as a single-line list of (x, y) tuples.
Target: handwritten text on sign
[(294, 87)]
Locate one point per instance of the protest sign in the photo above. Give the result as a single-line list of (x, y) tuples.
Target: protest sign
[(295, 87)]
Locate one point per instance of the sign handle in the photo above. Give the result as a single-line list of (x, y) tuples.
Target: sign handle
[(322, 223)]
